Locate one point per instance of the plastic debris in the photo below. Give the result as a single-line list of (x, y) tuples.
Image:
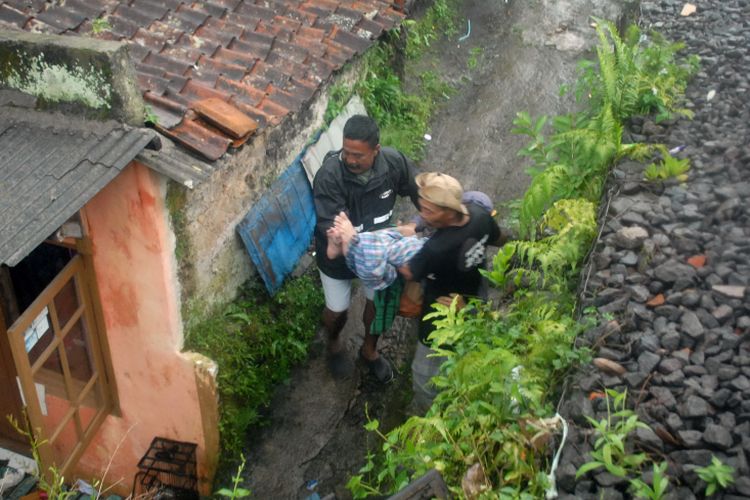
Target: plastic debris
[(711, 94), (468, 31), (311, 484), (676, 149), (427, 137), (688, 9)]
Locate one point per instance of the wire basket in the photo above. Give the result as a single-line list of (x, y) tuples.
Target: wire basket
[(167, 471)]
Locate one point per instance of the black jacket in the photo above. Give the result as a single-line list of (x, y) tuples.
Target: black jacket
[(369, 206)]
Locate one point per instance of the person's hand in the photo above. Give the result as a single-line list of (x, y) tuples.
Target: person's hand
[(448, 300), (408, 229), (405, 272)]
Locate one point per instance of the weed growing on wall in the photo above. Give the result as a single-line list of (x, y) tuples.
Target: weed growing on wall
[(504, 363), (256, 340), (402, 116)]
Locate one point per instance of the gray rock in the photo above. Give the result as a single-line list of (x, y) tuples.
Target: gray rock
[(691, 325), (647, 361), (694, 406), (648, 437), (740, 383), (718, 436), (672, 270), (663, 396), (742, 485), (691, 439), (670, 365), (670, 340), (722, 313), (728, 291), (630, 238), (639, 293)]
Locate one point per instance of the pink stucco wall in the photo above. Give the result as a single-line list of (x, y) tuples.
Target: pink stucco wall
[(156, 385)]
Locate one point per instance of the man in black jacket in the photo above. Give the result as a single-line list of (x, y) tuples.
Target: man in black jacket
[(363, 180)]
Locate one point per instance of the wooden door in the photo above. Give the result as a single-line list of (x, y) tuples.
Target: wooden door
[(10, 398)]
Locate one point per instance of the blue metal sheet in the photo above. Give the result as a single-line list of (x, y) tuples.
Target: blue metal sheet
[(278, 229)]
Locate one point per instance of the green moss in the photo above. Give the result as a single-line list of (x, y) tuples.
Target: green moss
[(176, 201)]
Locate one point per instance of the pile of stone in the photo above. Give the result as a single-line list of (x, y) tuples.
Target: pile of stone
[(671, 272)]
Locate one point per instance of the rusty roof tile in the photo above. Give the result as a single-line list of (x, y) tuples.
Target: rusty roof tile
[(285, 99), (226, 26), (27, 6), (319, 69), (183, 53), (166, 103), (186, 20), (170, 32), (337, 53), (312, 46), (156, 10), (279, 33), (229, 4), (12, 17), (356, 43), (194, 90), (310, 33), (122, 27), (204, 45), (198, 137), (90, 10), (303, 88), (153, 41), (214, 34), (255, 51), (276, 110), (149, 69), (177, 82), (305, 17), (239, 91), (37, 26), (287, 22), (137, 52), (389, 17), (287, 67), (167, 63), (134, 15), (209, 64), (262, 41), (320, 7), (61, 18), (265, 72), (249, 9), (289, 51), (150, 4), (261, 117), (156, 83), (240, 58), (248, 22), (372, 28), (214, 10), (225, 117), (194, 14)]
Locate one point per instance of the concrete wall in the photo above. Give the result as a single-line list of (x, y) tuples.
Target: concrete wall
[(162, 392), (218, 263)]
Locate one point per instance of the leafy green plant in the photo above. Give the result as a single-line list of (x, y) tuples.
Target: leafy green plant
[(256, 340), (610, 448), (717, 475), (151, 117), (474, 55), (658, 487), (236, 491), (668, 167), (100, 24)]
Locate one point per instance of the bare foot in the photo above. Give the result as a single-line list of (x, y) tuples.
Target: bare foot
[(334, 248), (345, 230)]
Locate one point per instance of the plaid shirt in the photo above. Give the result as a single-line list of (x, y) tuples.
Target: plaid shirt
[(374, 256)]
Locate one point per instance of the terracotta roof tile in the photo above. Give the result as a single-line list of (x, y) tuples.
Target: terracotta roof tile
[(122, 27), (226, 117), (197, 136), (246, 59), (240, 92), (90, 10), (167, 63), (255, 11), (151, 9), (12, 17), (254, 50), (134, 15), (261, 59)]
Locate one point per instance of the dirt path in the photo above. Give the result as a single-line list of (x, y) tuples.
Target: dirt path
[(525, 50)]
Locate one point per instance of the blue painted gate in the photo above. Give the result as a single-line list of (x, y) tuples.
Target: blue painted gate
[(278, 229)]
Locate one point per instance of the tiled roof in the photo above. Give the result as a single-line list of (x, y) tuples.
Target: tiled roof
[(214, 71), (51, 166)]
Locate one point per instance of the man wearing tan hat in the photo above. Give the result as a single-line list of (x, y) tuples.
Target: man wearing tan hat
[(448, 263)]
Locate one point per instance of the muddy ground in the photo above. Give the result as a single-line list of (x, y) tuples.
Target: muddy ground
[(525, 50)]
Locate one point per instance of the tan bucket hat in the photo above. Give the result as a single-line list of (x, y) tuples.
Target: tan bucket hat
[(442, 190)]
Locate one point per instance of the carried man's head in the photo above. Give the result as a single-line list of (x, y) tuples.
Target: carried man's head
[(361, 143), (440, 202)]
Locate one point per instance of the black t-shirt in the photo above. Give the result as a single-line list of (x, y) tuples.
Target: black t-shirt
[(450, 260)]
